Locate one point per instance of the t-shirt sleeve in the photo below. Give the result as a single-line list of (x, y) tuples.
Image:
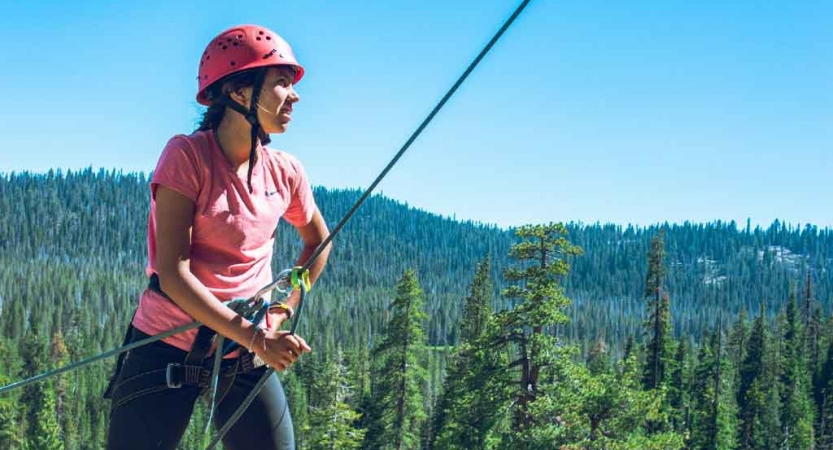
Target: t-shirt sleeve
[(178, 169), (301, 203)]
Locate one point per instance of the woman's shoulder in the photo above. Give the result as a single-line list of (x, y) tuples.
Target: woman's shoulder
[(195, 142), (195, 147), (283, 159)]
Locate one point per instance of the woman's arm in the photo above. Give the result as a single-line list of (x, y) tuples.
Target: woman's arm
[(313, 234), (174, 222)]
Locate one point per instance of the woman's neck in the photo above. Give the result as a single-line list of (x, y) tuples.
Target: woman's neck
[(233, 137)]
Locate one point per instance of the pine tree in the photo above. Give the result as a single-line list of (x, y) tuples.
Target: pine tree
[(736, 347), (714, 414), (58, 357), (758, 401), (469, 406), (332, 424), (796, 410), (658, 323), (602, 411), (678, 397), (630, 349), (543, 257), (598, 358), (398, 417), (10, 432), (46, 431), (824, 427), (812, 328), (477, 310)]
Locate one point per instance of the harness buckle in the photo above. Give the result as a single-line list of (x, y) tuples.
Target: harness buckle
[(169, 379)]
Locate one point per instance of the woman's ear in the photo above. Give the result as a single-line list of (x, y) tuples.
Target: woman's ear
[(241, 95)]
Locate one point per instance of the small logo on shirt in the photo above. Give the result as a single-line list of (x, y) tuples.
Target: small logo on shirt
[(271, 193)]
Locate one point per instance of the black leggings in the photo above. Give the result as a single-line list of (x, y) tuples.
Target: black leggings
[(155, 417)]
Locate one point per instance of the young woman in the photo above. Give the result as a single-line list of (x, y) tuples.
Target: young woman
[(216, 198)]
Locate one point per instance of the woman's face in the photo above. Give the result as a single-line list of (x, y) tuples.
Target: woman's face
[(276, 99)]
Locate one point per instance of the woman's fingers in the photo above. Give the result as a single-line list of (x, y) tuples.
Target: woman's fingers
[(289, 358), (304, 344), (297, 344), (284, 349), (292, 343)]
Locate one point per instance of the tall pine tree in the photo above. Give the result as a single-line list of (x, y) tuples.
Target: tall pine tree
[(333, 422), (757, 395), (469, 405), (714, 408), (658, 324), (542, 262), (398, 414), (796, 409)]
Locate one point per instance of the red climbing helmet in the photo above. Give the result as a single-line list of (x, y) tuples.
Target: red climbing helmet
[(241, 48)]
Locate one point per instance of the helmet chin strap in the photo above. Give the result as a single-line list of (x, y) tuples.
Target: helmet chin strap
[(277, 111), (251, 117)]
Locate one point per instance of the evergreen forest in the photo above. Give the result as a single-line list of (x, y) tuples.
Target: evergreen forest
[(432, 333)]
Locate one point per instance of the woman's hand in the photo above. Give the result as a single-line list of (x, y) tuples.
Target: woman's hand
[(275, 319), (279, 349)]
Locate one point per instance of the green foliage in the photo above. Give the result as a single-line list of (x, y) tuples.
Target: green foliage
[(72, 257), (796, 411), (542, 262), (678, 389), (824, 428), (758, 400), (398, 415), (11, 436), (332, 423), (658, 323), (714, 409), (471, 401), (45, 430), (608, 410)]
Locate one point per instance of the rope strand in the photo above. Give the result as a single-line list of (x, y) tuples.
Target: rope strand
[(320, 249)]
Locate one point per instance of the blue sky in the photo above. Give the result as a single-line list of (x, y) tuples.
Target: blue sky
[(624, 112)]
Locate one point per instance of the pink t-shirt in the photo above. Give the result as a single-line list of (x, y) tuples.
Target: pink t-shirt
[(233, 230)]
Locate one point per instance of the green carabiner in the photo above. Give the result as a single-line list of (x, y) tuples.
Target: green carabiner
[(298, 276)]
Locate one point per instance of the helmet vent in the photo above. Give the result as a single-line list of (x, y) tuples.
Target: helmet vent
[(232, 63)]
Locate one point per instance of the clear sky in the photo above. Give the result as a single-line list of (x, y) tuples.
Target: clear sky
[(626, 112)]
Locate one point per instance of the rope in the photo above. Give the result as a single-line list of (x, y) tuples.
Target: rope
[(320, 249), (254, 392), (243, 307), (89, 361)]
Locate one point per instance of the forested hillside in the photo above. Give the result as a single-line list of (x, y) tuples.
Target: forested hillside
[(72, 255)]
